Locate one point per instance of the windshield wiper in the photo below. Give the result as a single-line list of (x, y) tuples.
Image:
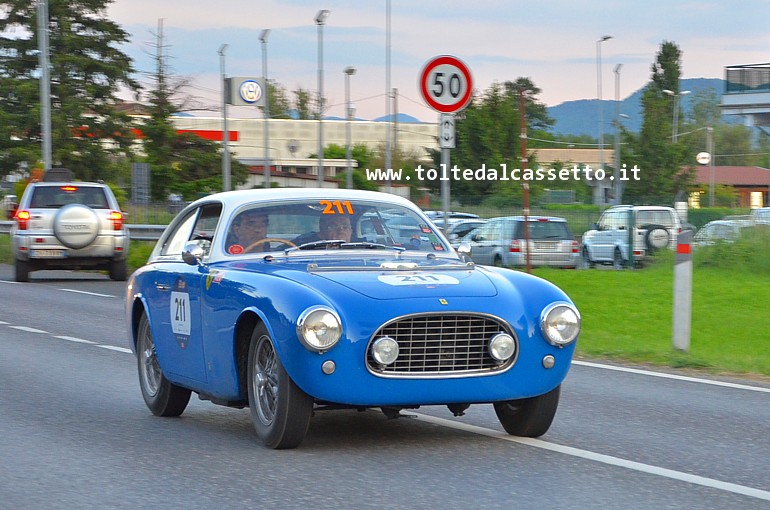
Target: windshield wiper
[(341, 243), (371, 246)]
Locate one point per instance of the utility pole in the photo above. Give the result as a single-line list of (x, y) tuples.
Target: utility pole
[(45, 83), (524, 165)]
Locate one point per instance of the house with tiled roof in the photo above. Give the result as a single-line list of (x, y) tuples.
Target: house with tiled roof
[(751, 183)]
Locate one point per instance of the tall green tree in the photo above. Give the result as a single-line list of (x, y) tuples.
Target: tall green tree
[(87, 69), (659, 159)]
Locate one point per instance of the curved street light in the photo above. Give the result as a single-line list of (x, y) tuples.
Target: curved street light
[(320, 20), (675, 126)]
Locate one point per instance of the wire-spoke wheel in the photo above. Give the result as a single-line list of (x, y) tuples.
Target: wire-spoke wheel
[(279, 410), (162, 397)]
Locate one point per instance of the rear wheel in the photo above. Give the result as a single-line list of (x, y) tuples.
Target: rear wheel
[(656, 237), (498, 262), (279, 409), (22, 270), (118, 270), (161, 396), (528, 417)]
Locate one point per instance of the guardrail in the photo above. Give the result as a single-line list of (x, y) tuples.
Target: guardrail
[(135, 232)]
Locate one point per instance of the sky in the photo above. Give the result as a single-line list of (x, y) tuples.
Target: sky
[(554, 43)]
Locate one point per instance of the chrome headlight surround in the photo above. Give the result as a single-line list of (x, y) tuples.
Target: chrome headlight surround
[(319, 328), (502, 347), (560, 323), (385, 350)]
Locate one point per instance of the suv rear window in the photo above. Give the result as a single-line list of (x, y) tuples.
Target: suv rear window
[(544, 230), (55, 197)]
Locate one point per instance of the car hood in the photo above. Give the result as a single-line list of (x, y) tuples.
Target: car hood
[(389, 279)]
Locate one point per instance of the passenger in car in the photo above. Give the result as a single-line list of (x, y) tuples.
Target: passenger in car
[(331, 227)]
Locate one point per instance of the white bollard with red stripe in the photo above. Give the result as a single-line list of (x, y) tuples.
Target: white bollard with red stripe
[(683, 291)]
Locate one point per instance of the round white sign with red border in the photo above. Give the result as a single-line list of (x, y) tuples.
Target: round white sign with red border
[(446, 84)]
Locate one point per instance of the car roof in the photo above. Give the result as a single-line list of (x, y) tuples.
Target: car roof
[(233, 199), (530, 218)]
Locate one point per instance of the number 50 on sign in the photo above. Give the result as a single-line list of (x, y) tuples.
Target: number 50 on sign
[(446, 84)]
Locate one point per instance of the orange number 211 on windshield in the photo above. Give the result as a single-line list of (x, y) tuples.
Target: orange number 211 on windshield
[(336, 207)]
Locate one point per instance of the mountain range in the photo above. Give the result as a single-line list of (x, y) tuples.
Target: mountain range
[(581, 117)]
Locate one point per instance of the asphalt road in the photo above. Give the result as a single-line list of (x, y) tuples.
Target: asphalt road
[(75, 433)]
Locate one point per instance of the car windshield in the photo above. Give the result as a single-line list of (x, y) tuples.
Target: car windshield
[(330, 224)]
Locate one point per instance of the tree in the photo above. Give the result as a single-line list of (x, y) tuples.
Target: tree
[(659, 160), (179, 162), (488, 131), (86, 70)]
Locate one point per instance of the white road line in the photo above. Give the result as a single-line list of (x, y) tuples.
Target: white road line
[(114, 348), (29, 330), (598, 457), (87, 293), (4, 323), (74, 339), (672, 376)]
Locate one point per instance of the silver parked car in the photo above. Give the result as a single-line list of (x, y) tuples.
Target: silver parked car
[(719, 231), (69, 225), (502, 242)]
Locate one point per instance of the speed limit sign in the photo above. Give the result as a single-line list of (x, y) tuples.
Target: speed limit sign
[(446, 84)]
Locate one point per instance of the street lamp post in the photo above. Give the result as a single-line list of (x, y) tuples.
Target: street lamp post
[(349, 71), (45, 84), (266, 109), (618, 188), (599, 95), (226, 186), (675, 126), (320, 20)]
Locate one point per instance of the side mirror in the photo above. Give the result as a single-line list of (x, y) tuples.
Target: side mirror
[(464, 250), (192, 253)]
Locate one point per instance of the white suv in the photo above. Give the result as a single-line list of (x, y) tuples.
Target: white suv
[(73, 225), (655, 228)]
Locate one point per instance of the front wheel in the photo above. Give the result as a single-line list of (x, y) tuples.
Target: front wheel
[(162, 397), (279, 409), (617, 260), (528, 417)]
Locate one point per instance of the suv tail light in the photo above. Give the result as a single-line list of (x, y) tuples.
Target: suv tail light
[(22, 219), (515, 246), (117, 220), (575, 247)]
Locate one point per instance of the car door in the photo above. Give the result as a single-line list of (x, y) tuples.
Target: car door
[(484, 241), (175, 297), (604, 238)]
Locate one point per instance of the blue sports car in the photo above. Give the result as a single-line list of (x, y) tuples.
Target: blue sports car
[(289, 301)]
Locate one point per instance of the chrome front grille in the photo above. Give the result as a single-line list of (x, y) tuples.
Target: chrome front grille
[(440, 345)]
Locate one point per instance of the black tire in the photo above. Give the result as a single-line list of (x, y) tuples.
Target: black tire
[(528, 417), (498, 262), (279, 410), (22, 270), (585, 259), (656, 237), (118, 270), (617, 260), (161, 396)]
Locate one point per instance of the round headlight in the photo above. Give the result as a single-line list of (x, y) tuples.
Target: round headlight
[(502, 347), (385, 350), (560, 324), (319, 328)]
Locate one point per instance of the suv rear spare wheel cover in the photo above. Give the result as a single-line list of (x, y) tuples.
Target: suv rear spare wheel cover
[(657, 237), (76, 226)]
